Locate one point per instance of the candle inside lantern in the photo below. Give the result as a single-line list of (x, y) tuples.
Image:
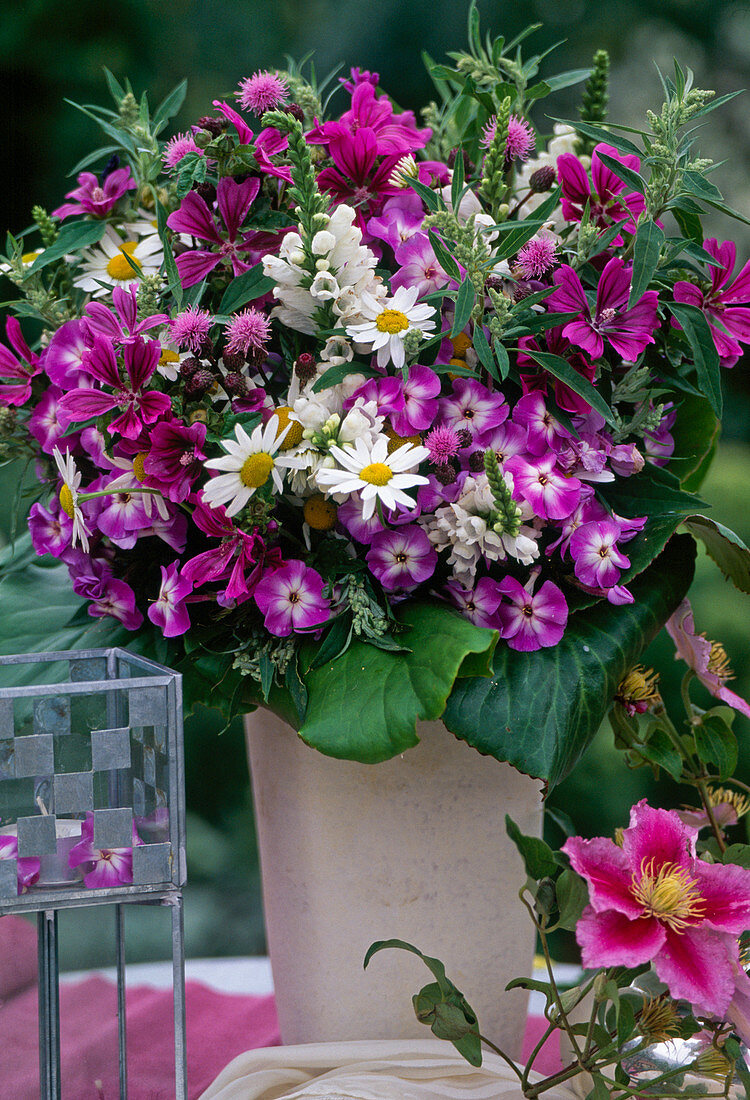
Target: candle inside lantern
[(54, 868)]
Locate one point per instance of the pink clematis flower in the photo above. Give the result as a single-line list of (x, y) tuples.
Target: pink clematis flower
[(726, 305), (531, 620), (291, 599), (18, 369), (629, 331), (707, 659), (194, 218), (105, 867), (653, 901), (138, 407), (169, 612), (95, 198), (608, 200), (27, 870)]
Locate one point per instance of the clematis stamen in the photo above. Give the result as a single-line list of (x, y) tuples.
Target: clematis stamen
[(669, 894)]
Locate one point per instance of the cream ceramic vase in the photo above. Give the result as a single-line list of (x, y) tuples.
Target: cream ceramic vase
[(414, 848)]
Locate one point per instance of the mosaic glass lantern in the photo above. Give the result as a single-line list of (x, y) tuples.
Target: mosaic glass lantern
[(91, 765)]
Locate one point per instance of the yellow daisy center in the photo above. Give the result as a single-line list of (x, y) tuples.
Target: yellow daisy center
[(319, 513), (670, 895), (294, 435), (392, 320), (167, 356), (377, 473), (256, 470), (66, 502), (120, 267), (29, 257), (138, 466)]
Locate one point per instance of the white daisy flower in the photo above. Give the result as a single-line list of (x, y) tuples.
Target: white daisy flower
[(68, 497), (110, 263), (388, 321), (375, 473), (249, 462)]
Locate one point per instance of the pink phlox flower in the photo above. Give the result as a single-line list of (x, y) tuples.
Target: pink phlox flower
[(291, 599), (121, 517), (174, 459), (27, 869), (169, 612), (121, 325), (47, 423), (725, 304), (401, 558), (394, 134), (18, 369), (544, 433), (386, 392), (552, 494), (248, 329), (435, 494), (138, 406), (195, 219), (478, 604), (400, 219), (707, 659), (50, 533), (607, 199), (262, 92), (350, 517), (597, 559), (117, 600), (506, 440), (521, 139), (652, 901), (190, 328), (357, 177), (586, 458), (97, 199), (420, 393), (625, 460), (178, 147), (531, 620), (538, 379), (104, 867), (418, 266), (473, 407), (230, 561), (537, 257), (63, 363), (629, 331), (588, 508)]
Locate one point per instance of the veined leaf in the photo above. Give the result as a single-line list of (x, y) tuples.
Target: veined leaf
[(598, 133), (649, 241), (627, 175), (72, 237), (561, 368), (724, 547), (248, 286), (465, 300), (705, 355)]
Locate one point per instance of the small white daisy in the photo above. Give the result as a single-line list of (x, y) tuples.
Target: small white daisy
[(110, 263), (249, 462), (374, 473), (388, 321), (68, 497)]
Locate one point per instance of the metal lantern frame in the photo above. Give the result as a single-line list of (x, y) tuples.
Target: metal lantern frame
[(133, 710)]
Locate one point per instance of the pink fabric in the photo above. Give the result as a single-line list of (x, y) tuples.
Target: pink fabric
[(219, 1027)]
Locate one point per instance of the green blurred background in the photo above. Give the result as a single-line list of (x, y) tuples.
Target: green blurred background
[(51, 50)]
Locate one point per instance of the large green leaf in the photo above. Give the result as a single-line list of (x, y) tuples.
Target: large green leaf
[(724, 547), (539, 711), (695, 433), (365, 705), (705, 355)]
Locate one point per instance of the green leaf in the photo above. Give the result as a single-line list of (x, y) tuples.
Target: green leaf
[(465, 300), (538, 858), (170, 105), (483, 350), (561, 368), (567, 79), (659, 750), (716, 744), (74, 236), (540, 710), (572, 898), (649, 241), (443, 256), (503, 362), (650, 493), (598, 133), (696, 184), (724, 547), (430, 198), (457, 183), (737, 853), (248, 286), (705, 355), (338, 372), (695, 433), (365, 705), (627, 175)]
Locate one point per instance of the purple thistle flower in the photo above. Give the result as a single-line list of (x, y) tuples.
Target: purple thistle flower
[(401, 558), (105, 867), (521, 140), (174, 459), (27, 870), (262, 92), (629, 331), (291, 599), (169, 612), (478, 604), (178, 147), (95, 198), (443, 443), (537, 257), (530, 621), (249, 329), (190, 328), (593, 547)]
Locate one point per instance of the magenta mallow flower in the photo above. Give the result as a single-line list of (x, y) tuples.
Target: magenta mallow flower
[(394, 134), (103, 867), (27, 869), (169, 612), (195, 219), (539, 481), (521, 140), (248, 329), (190, 328), (401, 558), (707, 659), (239, 559), (291, 599), (121, 325), (175, 457), (608, 201), (726, 304), (63, 362), (629, 331), (95, 198), (480, 603), (178, 147), (138, 407), (531, 620), (537, 257), (16, 371), (652, 901), (262, 92)]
